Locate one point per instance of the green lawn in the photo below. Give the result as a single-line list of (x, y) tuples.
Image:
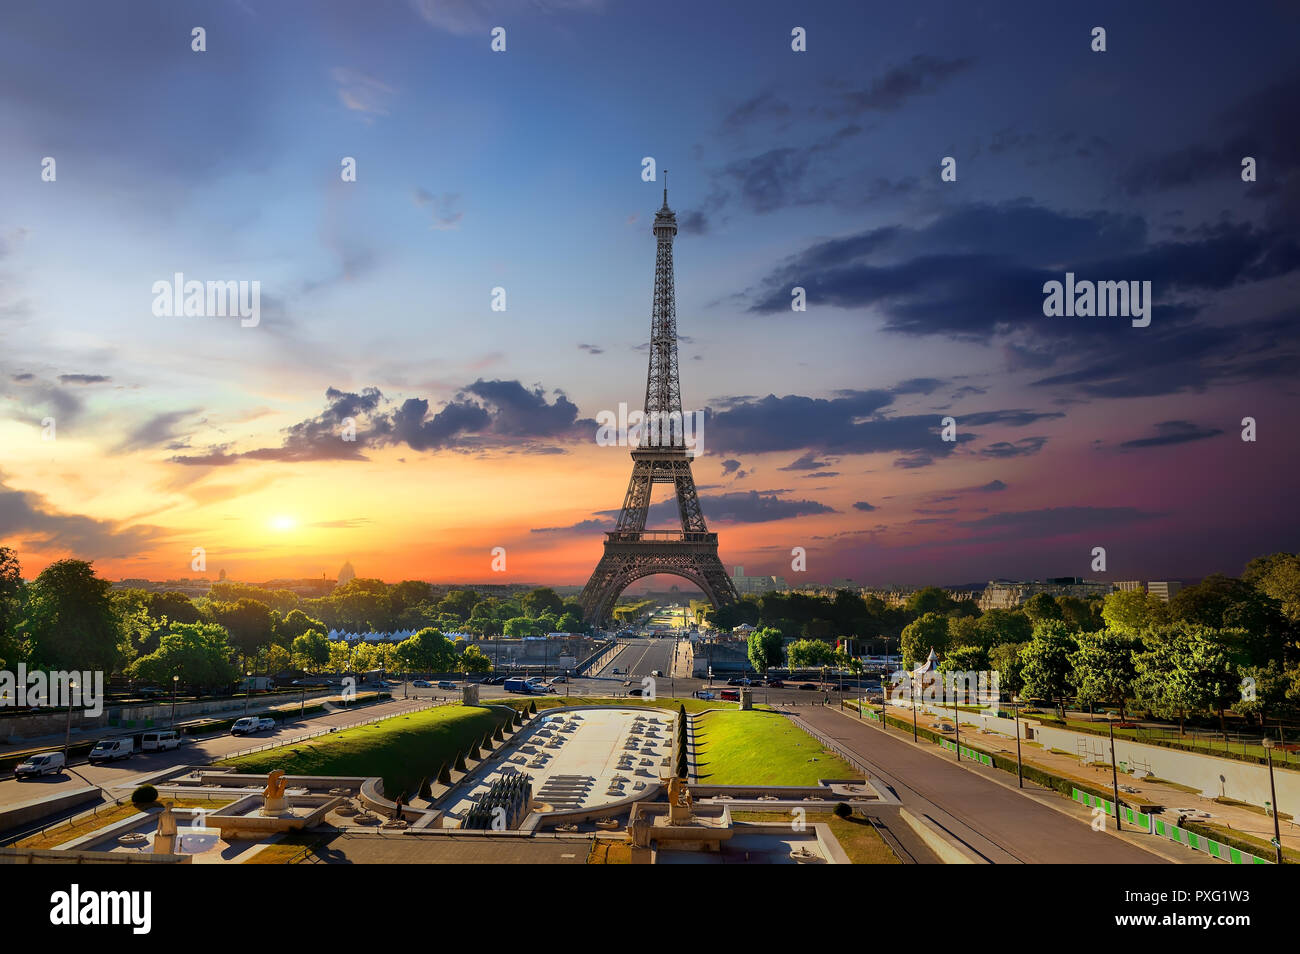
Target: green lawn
[(860, 841), (401, 750), (761, 748)]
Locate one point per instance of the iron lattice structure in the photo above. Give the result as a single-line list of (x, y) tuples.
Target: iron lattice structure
[(632, 551)]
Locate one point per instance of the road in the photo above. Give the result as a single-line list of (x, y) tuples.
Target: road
[(999, 823), (200, 752)]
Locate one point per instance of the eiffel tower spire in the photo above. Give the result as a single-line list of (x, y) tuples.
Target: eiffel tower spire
[(632, 551)]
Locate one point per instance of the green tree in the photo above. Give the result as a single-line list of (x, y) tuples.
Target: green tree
[(1047, 671), (1133, 611), (1278, 577), (543, 600), (473, 659), (929, 599), (13, 593), (70, 619), (247, 621), (765, 649), (1186, 668), (966, 659), (1042, 607), (312, 649), (1104, 667), (923, 634), (810, 654), (1263, 691), (999, 626), (427, 651), (1005, 659), (199, 653)]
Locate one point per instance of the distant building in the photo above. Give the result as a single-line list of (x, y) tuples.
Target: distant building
[(755, 584), (1164, 589), (1007, 594), (346, 573), (1129, 586)]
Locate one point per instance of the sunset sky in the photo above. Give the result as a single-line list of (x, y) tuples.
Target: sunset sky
[(522, 169)]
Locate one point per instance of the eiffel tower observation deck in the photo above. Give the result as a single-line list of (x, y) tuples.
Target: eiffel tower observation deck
[(632, 551)]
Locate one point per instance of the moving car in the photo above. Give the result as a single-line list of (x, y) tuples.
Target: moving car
[(110, 750), (775, 684), (731, 695), (160, 740), (251, 724), (808, 685), (446, 684), (422, 684), (50, 763)]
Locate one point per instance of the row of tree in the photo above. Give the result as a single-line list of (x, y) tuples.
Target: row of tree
[(69, 618)]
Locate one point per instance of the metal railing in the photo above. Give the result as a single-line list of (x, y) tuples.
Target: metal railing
[(280, 743)]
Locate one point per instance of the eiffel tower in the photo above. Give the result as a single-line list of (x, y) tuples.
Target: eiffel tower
[(632, 551)]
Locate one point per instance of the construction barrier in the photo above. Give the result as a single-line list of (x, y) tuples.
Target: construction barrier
[(968, 753), (1132, 818), (1217, 849)]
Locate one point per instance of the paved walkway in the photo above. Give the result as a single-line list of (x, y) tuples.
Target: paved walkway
[(1001, 824)]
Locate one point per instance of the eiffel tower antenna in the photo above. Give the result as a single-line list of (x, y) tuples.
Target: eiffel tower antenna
[(632, 551)]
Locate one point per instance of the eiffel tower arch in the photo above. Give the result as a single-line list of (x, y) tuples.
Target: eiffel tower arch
[(632, 551)]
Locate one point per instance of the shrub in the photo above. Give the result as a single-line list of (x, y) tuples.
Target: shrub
[(144, 795), (426, 790), (842, 810)]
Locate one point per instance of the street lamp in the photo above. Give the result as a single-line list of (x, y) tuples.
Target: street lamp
[(248, 689), (1114, 776), (67, 735), (1272, 791), (1020, 776), (911, 691), (175, 682)]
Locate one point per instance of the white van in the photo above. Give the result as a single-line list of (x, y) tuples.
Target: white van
[(160, 741), (108, 750), (50, 763)]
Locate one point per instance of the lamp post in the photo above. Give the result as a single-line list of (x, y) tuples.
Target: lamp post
[(175, 682), (1272, 791), (1114, 776), (911, 690), (248, 689), (1020, 775), (956, 720), (67, 735)]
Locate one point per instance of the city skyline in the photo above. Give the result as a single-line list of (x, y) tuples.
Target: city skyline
[(479, 170)]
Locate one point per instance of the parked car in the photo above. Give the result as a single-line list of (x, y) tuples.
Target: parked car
[(250, 724), (160, 740), (51, 763), (446, 684), (775, 684), (110, 750), (422, 684), (634, 692), (731, 695), (703, 694)]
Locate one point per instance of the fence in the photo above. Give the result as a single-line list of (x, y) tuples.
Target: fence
[(1160, 827), (966, 753), (280, 743), (836, 748)]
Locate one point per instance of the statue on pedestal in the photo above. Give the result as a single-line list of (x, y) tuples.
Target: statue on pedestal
[(273, 798), (164, 839)]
